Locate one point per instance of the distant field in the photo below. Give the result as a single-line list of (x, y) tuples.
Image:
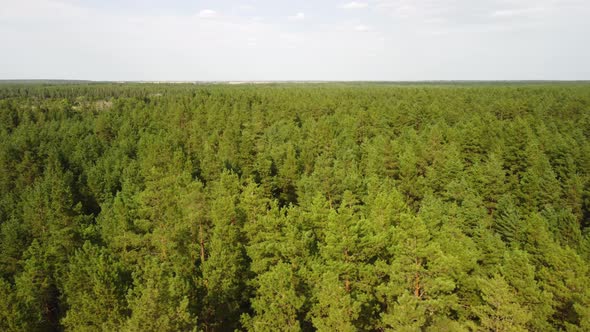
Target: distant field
[(331, 206)]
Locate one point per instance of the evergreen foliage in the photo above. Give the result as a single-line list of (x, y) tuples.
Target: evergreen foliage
[(329, 207)]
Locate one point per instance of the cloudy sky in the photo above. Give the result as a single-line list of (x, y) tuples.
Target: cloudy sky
[(295, 40)]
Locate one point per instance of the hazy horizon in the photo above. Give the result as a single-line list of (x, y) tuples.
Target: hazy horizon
[(66, 80), (259, 40)]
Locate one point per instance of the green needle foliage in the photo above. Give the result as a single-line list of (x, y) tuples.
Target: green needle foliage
[(295, 207)]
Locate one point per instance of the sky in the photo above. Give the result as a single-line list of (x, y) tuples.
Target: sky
[(223, 40)]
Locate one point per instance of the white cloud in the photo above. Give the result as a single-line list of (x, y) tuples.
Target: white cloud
[(406, 8), (40, 9), (464, 13), (207, 13), (297, 17), (362, 28), (517, 12), (355, 5)]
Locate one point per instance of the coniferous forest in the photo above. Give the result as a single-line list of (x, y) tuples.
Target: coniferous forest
[(295, 207)]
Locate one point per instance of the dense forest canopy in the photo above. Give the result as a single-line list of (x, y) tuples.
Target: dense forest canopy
[(329, 207)]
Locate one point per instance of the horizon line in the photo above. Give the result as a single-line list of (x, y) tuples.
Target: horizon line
[(64, 80)]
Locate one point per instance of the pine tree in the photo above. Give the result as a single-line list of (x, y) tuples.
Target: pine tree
[(277, 302), (419, 278), (519, 273), (224, 269), (500, 311), (95, 287), (334, 309), (12, 315), (159, 300)]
